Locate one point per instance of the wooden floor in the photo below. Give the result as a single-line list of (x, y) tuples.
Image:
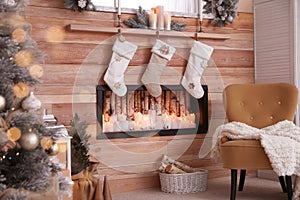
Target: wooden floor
[(217, 189)]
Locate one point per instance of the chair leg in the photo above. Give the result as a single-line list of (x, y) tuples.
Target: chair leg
[(242, 179), (282, 183), (288, 180), (233, 184)]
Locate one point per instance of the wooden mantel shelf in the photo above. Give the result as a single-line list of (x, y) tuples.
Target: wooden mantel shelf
[(78, 27)]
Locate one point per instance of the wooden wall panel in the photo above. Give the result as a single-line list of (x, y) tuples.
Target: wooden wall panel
[(76, 62)]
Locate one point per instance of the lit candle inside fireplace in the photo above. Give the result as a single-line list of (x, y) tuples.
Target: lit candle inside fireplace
[(192, 120)]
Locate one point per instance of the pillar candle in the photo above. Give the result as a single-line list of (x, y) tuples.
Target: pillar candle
[(167, 21), (160, 17), (201, 10), (119, 7), (152, 19)]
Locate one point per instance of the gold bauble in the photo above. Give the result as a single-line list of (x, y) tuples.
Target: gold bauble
[(29, 141), (21, 90), (23, 58), (14, 133), (19, 35), (46, 142), (36, 71), (2, 102)]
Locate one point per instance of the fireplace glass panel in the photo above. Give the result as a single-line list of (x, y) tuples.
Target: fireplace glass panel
[(138, 114)]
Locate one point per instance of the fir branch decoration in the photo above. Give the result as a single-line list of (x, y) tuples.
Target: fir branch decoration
[(12, 5), (224, 11), (141, 20), (79, 5), (79, 145)]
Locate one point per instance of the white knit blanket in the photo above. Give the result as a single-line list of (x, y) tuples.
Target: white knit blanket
[(280, 141)]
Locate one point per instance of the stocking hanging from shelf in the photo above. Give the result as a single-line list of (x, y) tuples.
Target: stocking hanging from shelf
[(161, 54), (123, 51), (197, 62)]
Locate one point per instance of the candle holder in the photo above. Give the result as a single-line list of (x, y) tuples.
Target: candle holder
[(201, 30), (119, 22)]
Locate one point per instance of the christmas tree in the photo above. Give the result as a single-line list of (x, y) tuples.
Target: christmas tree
[(25, 165), (79, 145)]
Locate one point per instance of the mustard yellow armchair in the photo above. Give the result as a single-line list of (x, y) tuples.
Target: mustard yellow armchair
[(257, 105)]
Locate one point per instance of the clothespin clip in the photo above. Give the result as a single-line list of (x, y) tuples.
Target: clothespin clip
[(121, 37), (196, 36), (157, 34)]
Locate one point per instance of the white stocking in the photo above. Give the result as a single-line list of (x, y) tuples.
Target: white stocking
[(191, 80), (123, 51), (161, 54)]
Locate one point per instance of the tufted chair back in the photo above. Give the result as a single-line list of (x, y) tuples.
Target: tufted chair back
[(260, 105)]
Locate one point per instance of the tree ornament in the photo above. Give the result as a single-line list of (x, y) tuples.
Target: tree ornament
[(14, 133), (29, 141), (54, 150), (230, 19), (81, 3), (90, 6), (23, 58), (31, 103), (36, 71), (19, 35), (46, 142), (21, 90), (2, 102)]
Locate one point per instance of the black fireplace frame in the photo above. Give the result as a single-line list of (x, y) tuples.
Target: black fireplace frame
[(198, 106)]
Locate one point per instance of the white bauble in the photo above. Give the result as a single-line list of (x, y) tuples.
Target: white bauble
[(31, 103), (2, 103), (29, 141)]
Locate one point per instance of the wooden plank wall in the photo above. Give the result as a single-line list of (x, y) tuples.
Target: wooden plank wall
[(76, 62)]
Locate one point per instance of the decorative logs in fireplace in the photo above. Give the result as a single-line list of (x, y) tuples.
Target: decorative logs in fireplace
[(138, 114)]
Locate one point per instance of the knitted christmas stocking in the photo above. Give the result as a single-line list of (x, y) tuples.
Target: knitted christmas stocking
[(199, 55), (123, 52), (161, 54)]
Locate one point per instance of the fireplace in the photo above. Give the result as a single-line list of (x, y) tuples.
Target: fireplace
[(138, 114)]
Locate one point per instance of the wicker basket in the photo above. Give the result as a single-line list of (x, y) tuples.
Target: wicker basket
[(183, 183)]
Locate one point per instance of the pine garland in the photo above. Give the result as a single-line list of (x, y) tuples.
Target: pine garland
[(79, 5), (224, 11)]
